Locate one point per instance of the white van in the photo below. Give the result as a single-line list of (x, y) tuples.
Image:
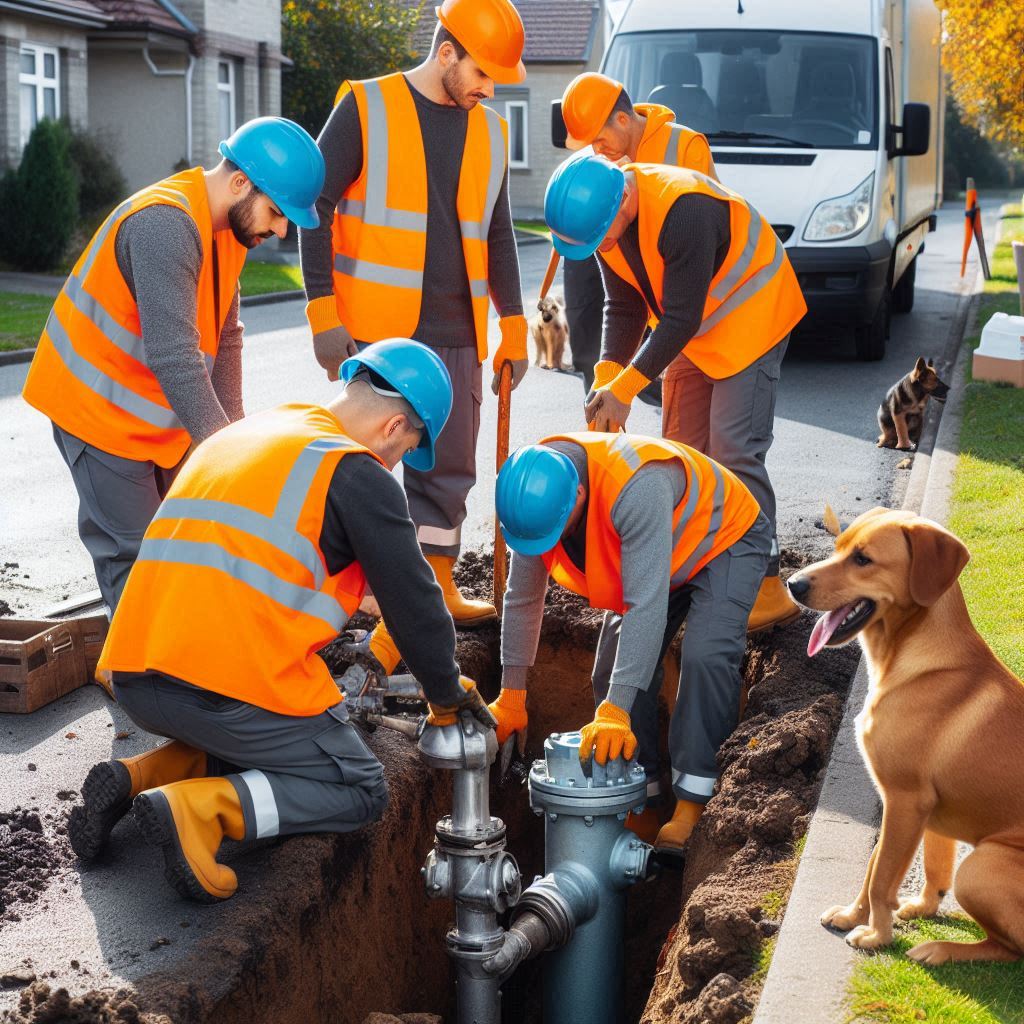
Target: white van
[(825, 114)]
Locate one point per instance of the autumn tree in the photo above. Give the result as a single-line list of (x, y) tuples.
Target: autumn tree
[(984, 55), (331, 40)]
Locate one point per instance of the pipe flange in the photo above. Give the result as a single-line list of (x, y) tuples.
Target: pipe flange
[(476, 842)]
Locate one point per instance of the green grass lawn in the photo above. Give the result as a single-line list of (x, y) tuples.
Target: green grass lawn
[(987, 512), (533, 227), (262, 278), (889, 987), (21, 319)]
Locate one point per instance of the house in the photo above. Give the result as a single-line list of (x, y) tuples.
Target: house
[(159, 82), (563, 39)]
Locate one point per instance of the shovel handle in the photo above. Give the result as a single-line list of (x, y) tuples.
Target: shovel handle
[(501, 454), (549, 275)]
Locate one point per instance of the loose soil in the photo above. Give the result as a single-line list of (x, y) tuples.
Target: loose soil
[(32, 848), (338, 928)]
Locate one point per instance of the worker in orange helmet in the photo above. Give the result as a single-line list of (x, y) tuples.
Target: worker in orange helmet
[(598, 113), (415, 238)]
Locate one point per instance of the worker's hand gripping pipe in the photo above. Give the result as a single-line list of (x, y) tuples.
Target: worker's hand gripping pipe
[(576, 909)]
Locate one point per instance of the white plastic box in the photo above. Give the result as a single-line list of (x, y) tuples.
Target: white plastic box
[(1000, 356)]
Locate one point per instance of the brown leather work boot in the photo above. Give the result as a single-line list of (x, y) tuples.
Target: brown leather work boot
[(465, 611)]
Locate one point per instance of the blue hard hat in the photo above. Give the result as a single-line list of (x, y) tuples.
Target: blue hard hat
[(534, 498), (281, 159), (580, 203), (417, 374)]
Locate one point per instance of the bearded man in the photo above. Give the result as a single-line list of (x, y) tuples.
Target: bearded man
[(141, 356)]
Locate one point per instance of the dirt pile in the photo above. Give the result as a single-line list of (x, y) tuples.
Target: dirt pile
[(39, 1004), (32, 848), (738, 868)]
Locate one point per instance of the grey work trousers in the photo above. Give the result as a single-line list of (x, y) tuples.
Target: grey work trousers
[(437, 500), (291, 774), (117, 499), (730, 420), (584, 312), (715, 605)]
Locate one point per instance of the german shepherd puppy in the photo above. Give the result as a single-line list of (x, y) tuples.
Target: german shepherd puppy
[(550, 332), (901, 414)]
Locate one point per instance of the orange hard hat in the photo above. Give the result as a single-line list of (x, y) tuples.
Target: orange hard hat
[(492, 33), (586, 105)]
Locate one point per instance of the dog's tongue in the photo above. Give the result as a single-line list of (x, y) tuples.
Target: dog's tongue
[(824, 628)]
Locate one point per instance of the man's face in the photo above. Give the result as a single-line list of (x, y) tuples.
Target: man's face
[(612, 141), (576, 516), (463, 80), (254, 218)]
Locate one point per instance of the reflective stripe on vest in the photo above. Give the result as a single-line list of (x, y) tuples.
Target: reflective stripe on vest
[(278, 531), (671, 154), (375, 212)]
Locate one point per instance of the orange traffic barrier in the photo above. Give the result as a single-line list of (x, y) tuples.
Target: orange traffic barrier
[(972, 228)]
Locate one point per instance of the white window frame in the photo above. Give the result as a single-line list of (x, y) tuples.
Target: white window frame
[(40, 82), (524, 106), (229, 88)]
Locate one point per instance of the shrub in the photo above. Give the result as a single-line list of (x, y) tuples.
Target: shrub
[(39, 201), (101, 186)]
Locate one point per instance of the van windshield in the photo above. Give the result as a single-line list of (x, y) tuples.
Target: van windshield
[(756, 88)]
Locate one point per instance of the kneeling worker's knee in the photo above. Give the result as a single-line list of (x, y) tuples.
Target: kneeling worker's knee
[(376, 794)]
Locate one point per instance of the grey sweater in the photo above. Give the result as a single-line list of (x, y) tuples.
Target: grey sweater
[(642, 516), (160, 254), (446, 313), (694, 241)]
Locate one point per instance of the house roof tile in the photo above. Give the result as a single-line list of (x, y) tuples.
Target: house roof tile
[(150, 14), (77, 8)]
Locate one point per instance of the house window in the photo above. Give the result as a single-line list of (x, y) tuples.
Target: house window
[(226, 97), (39, 80), (516, 113)]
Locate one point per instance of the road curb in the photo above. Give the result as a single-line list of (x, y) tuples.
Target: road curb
[(811, 965), (270, 298), (18, 355)]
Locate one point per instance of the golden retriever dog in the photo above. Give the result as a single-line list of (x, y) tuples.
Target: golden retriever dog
[(942, 732), (550, 332)]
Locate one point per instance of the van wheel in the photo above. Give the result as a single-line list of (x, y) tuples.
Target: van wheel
[(903, 293), (870, 338)]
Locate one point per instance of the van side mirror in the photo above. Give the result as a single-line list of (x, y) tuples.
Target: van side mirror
[(559, 133), (917, 120)]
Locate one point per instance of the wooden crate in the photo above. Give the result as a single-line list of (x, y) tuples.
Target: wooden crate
[(40, 661)]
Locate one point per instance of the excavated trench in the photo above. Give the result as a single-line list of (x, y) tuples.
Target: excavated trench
[(336, 928)]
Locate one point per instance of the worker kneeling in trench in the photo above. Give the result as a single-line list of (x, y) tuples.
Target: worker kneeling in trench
[(257, 557), (656, 533)]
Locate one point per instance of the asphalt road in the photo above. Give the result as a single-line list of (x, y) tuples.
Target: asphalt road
[(824, 449)]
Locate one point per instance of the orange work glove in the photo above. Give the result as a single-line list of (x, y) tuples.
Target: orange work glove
[(472, 702), (510, 711), (512, 349), (608, 736), (605, 371), (625, 386)]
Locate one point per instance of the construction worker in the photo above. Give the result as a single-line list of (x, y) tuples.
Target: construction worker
[(255, 560), (141, 356), (598, 113), (415, 232), (656, 533), (692, 256)]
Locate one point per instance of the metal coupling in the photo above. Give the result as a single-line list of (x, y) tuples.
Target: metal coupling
[(629, 861)]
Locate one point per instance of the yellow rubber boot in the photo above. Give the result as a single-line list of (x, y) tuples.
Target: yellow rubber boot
[(773, 607), (383, 648), (674, 833), (110, 786), (188, 821), (465, 611), (644, 825)]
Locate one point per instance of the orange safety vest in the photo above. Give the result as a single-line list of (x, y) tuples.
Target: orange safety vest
[(380, 227), (230, 591), (754, 300), (665, 142), (89, 373), (713, 513)]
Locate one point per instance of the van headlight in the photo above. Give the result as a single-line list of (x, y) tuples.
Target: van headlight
[(842, 216)]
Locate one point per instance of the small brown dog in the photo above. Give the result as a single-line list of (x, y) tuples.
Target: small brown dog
[(902, 412), (942, 732), (550, 332)]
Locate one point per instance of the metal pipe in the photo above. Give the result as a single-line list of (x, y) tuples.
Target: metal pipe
[(590, 859)]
